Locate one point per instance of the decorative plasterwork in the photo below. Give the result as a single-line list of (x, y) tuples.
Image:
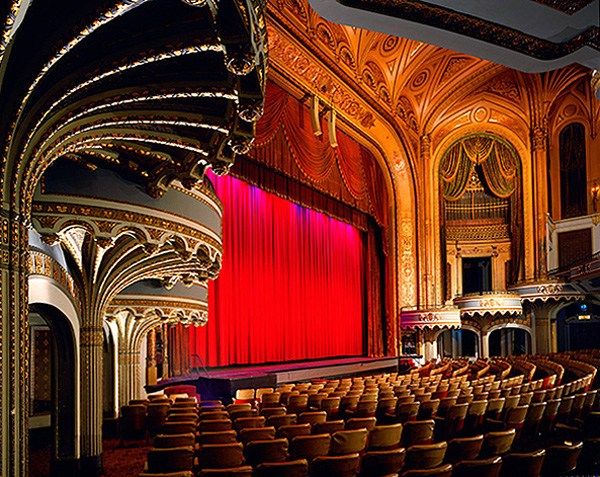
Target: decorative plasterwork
[(330, 88), (548, 290), (432, 319), (170, 310), (492, 303), (43, 264)]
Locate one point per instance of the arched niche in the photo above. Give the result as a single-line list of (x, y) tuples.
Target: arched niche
[(509, 340), (53, 342), (480, 215), (463, 342)]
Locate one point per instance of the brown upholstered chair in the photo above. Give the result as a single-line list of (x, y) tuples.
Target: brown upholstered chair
[(339, 466), (380, 463), (256, 434), (527, 464), (293, 430), (364, 408), (348, 402), (282, 420), (183, 473), (474, 417), (441, 471), (293, 468), (453, 422), (464, 448), (249, 422), (328, 427), (273, 411), (425, 456), (242, 471), (549, 417), (428, 409), (348, 442), (132, 421), (478, 468), (270, 400), (165, 441), (182, 416), (297, 403), (418, 432), (219, 437), (498, 443), (495, 408), (213, 415), (445, 404), (310, 447), (561, 459), (156, 416), (221, 456), (178, 427), (272, 450), (239, 413), (173, 459), (367, 423), (215, 426), (238, 407), (384, 437), (312, 417), (315, 400)]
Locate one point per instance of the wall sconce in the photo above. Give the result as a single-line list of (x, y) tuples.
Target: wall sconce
[(595, 190)]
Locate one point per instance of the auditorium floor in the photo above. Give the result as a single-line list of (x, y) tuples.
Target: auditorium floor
[(119, 461)]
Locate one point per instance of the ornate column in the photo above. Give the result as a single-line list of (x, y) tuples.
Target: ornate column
[(151, 371), (539, 150), (429, 263), (14, 334), (165, 341), (91, 396)]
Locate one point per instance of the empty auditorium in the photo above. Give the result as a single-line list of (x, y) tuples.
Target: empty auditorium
[(300, 238)]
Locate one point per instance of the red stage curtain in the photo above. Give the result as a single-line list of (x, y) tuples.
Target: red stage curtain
[(291, 285)]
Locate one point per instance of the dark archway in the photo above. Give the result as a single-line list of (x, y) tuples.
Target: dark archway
[(458, 343), (509, 341), (62, 405), (573, 174), (578, 326)]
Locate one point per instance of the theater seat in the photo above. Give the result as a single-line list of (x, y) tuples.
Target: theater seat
[(441, 471), (338, 466), (293, 468), (174, 459), (523, 464), (379, 463), (478, 468), (384, 437), (273, 450), (425, 456), (310, 447), (243, 471), (348, 442), (464, 448), (561, 459)]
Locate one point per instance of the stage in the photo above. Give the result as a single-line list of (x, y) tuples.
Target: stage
[(222, 383)]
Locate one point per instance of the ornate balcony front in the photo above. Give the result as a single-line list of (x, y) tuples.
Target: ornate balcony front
[(430, 318), (489, 303)]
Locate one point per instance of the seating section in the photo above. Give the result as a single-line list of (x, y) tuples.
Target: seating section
[(526, 416)]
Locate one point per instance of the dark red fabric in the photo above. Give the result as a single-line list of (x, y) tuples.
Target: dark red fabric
[(285, 141), (291, 285)]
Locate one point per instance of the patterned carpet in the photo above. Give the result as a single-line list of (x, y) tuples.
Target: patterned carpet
[(126, 460)]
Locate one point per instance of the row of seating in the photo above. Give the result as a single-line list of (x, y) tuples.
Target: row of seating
[(394, 423)]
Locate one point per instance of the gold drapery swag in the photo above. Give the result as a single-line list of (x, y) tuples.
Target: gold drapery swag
[(498, 163)]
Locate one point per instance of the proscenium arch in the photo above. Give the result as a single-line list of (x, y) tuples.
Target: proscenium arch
[(523, 151), (64, 416)]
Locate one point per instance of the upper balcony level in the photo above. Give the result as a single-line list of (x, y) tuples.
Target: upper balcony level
[(573, 247)]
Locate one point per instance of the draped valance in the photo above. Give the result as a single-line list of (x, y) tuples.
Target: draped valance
[(498, 161), (285, 141)]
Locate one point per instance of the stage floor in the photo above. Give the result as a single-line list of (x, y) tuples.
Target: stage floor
[(280, 373)]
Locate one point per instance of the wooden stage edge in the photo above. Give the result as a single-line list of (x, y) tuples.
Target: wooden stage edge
[(222, 383)]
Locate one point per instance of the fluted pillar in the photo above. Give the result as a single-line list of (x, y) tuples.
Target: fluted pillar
[(539, 150), (151, 371), (129, 375), (91, 398), (165, 343), (14, 342)]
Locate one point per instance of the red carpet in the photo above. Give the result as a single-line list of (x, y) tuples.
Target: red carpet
[(124, 461)]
